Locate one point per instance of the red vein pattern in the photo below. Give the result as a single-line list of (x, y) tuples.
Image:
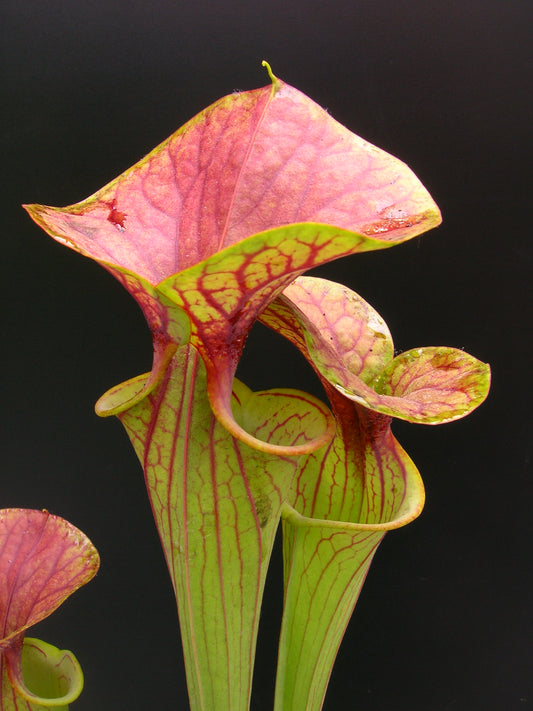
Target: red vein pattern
[(252, 161), (342, 503), (217, 505), (205, 232), (350, 347), (253, 191), (43, 560), (345, 498)]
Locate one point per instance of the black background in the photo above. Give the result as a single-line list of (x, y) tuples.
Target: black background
[(445, 621)]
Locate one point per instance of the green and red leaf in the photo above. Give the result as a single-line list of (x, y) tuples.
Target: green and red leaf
[(346, 496), (224, 295), (207, 232), (250, 162), (342, 502), (253, 191), (40, 678), (216, 503), (43, 560), (350, 347)]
